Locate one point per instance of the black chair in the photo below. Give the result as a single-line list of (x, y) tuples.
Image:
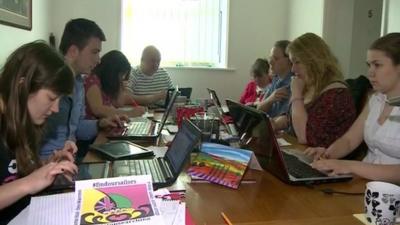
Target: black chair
[(360, 88)]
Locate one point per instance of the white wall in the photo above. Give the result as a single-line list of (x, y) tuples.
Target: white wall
[(393, 24), (305, 16), (253, 28), (12, 37), (105, 13), (367, 17), (349, 31)]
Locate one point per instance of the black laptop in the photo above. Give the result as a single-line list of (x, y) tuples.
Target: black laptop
[(256, 134), (164, 170), (230, 127), (141, 128)]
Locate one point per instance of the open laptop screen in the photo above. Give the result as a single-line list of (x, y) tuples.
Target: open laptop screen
[(167, 111), (184, 141), (214, 97)]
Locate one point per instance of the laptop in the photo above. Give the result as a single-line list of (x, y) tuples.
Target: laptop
[(121, 149), (165, 170), (289, 165), (141, 128), (186, 92), (223, 116)]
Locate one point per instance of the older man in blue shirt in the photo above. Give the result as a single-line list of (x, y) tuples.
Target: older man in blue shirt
[(276, 99)]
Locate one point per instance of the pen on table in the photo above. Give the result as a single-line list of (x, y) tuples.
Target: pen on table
[(226, 219)]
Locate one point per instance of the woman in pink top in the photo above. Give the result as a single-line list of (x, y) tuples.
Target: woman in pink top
[(105, 90), (255, 89)]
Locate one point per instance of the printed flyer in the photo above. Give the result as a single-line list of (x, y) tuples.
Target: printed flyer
[(115, 201)]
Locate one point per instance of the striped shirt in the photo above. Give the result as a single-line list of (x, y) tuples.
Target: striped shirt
[(141, 84)]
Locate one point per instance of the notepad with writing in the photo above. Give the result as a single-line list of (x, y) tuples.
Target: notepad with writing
[(220, 164)]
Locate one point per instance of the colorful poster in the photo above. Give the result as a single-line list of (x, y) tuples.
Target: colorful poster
[(120, 200), (220, 164)]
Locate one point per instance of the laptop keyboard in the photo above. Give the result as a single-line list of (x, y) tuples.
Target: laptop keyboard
[(299, 169), (139, 128), (139, 167)]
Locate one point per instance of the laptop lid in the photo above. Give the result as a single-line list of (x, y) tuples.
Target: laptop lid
[(258, 135), (214, 98), (167, 111), (186, 91), (182, 145)]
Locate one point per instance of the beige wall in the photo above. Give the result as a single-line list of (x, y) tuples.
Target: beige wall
[(12, 37), (305, 16)]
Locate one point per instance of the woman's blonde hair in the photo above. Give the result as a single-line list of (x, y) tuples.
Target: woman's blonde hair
[(321, 65)]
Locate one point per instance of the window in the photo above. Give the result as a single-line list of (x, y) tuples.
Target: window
[(187, 32)]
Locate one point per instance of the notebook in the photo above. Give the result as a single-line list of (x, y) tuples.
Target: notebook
[(142, 129), (223, 116), (121, 149), (164, 170), (256, 133)]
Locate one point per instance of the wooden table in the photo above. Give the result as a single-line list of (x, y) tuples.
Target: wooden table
[(269, 201)]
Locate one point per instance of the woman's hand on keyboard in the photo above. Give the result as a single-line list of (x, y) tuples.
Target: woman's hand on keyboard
[(317, 153), (333, 167)]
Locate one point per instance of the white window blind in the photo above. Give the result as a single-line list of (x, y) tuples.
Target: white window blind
[(187, 32)]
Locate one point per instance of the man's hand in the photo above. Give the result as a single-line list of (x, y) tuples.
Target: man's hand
[(112, 122), (279, 94)]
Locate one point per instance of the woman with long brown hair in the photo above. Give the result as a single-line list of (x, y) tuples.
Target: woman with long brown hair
[(31, 83)]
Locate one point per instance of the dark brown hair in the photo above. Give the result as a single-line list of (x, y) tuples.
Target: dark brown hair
[(390, 45), (28, 69), (78, 32), (113, 66)]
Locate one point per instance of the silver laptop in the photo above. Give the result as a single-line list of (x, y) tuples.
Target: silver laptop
[(142, 129), (256, 133)]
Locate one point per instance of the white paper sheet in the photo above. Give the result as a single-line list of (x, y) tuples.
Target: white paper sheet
[(51, 209)]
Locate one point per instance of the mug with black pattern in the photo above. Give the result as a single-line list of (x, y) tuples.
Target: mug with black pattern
[(382, 202)]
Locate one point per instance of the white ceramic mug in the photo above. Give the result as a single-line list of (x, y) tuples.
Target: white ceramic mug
[(382, 202)]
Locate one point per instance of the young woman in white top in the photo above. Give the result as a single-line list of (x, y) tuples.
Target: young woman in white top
[(378, 124)]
